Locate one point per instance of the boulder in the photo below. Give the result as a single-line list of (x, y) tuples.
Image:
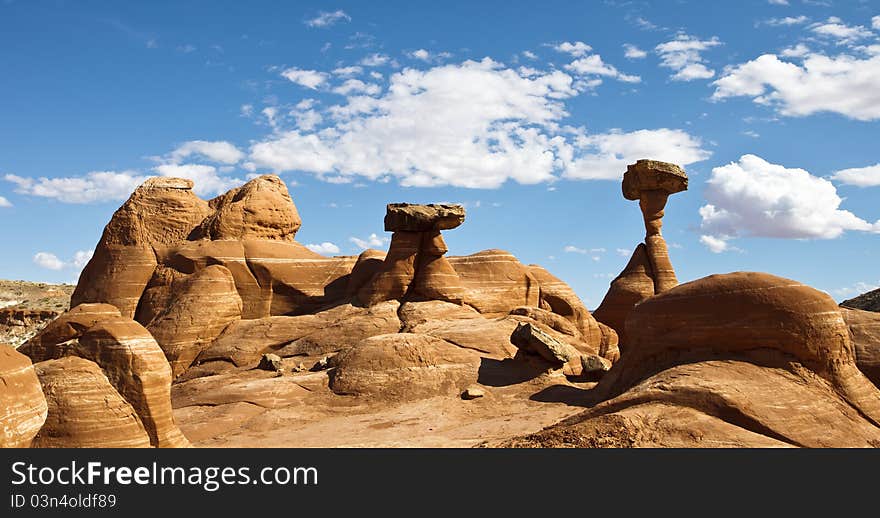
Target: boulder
[(270, 362), (404, 366), (23, 407), (531, 339), (85, 410), (409, 217)]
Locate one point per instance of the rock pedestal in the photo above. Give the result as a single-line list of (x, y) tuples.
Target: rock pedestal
[(415, 266), (649, 271)]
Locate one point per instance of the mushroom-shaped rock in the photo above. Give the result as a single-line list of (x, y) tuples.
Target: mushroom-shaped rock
[(653, 175), (410, 217), (22, 405)]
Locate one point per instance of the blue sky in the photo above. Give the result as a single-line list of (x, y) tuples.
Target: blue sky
[(525, 113)]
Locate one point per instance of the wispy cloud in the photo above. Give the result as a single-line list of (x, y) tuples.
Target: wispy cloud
[(328, 18)]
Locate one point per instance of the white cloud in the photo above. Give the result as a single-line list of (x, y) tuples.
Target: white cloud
[(716, 245), (753, 197), (798, 51), (593, 65), (576, 49), (348, 71), (4, 202), (375, 60), (421, 54), (843, 34), (605, 156), (842, 84), (373, 241), (326, 19), (623, 252), (96, 186), (630, 51), (856, 289), (751, 133), (357, 86), (207, 181), (875, 23), (51, 261), (786, 21), (474, 124), (246, 110), (217, 151), (81, 258), (529, 55), (307, 78), (325, 248), (575, 250), (48, 261), (860, 176), (777, 2), (683, 56)]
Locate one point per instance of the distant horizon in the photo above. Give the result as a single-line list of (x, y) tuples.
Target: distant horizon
[(527, 115)]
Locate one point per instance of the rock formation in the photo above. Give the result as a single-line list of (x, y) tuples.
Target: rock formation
[(85, 410), (727, 361), (649, 270), (23, 407), (869, 301), (130, 360), (415, 266), (864, 328)]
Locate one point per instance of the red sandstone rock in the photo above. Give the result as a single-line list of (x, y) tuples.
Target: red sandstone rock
[(259, 209), (85, 410), (22, 405)]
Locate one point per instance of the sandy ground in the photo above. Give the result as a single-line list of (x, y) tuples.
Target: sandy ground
[(252, 408)]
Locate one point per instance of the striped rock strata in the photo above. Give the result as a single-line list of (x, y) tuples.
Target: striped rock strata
[(23, 408)]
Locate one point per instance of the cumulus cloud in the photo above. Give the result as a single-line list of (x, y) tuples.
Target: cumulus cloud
[(605, 156), (860, 176), (576, 49), (631, 51), (218, 151), (206, 177), (529, 55), (4, 202), (51, 261), (842, 34), (326, 19), (785, 21), (373, 241), (593, 65), (348, 71), (798, 51), (875, 22), (683, 55), (842, 84), (716, 245), (325, 248), (753, 197), (307, 78), (357, 86), (375, 60), (96, 186), (475, 124)]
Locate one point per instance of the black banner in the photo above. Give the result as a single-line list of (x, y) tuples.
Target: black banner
[(229, 482)]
